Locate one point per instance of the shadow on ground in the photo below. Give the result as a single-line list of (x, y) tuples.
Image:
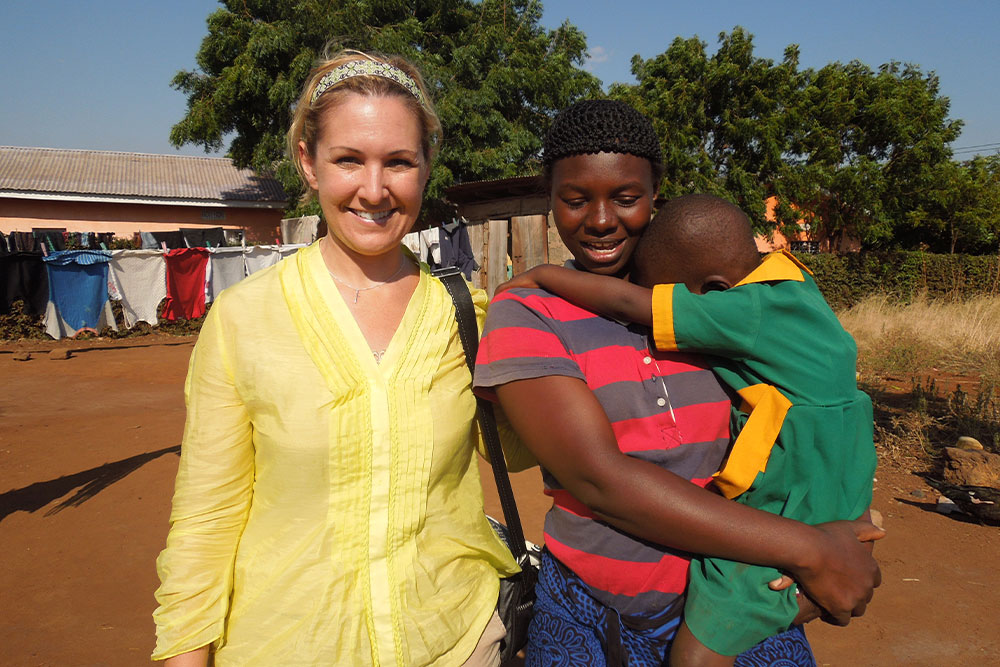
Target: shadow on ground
[(87, 484)]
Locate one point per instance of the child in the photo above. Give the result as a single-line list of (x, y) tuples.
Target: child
[(782, 350)]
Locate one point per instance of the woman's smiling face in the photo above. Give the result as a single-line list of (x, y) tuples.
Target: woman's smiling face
[(601, 203), (369, 172)]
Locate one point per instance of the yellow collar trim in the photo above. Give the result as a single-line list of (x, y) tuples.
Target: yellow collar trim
[(779, 265)]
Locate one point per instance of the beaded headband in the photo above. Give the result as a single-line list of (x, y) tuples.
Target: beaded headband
[(367, 68)]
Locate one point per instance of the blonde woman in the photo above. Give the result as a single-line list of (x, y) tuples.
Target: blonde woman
[(328, 507)]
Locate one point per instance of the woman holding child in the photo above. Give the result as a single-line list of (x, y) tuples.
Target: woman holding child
[(328, 508), (628, 437)]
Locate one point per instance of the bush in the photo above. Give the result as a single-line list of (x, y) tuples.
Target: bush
[(845, 280)]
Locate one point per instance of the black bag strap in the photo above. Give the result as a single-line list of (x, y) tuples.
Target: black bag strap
[(468, 331)]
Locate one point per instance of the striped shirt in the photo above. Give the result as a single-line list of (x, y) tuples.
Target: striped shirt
[(665, 408)]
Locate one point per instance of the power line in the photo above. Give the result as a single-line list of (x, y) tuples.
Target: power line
[(975, 150), (990, 145)]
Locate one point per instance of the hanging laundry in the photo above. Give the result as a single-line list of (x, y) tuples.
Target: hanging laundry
[(4, 248), (260, 257), (290, 249), (78, 292), (215, 237), (456, 250), (52, 238), (193, 238), (300, 230), (430, 249), (23, 277), (103, 237), (152, 240), (24, 242), (227, 267), (185, 283), (138, 278), (202, 237), (412, 242)]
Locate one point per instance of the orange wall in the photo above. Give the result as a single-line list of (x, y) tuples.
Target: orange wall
[(21, 215), (779, 241)]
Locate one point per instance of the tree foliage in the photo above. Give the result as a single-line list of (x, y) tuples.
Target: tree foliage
[(724, 119), (852, 150), (959, 211), (849, 149), (495, 74)]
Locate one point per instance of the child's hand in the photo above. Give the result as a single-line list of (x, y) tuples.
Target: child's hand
[(808, 610), (530, 279)]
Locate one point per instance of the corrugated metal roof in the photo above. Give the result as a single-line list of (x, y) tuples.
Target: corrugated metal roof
[(520, 186), (107, 173)]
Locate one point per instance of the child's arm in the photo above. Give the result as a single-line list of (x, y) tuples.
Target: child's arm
[(606, 295)]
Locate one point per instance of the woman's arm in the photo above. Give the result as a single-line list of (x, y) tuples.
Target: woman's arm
[(563, 424), (211, 500), (195, 658)]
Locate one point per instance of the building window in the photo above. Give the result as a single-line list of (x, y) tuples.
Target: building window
[(804, 246), (213, 214)]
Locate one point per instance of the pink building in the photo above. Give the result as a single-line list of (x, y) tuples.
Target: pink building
[(125, 193)]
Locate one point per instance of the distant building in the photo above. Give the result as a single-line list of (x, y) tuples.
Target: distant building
[(804, 240), (125, 193)]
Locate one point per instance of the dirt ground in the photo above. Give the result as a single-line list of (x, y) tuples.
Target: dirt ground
[(88, 452)]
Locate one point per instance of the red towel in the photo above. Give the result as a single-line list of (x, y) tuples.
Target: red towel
[(185, 283)]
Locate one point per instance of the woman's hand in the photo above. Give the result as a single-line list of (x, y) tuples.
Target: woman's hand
[(808, 609), (842, 575)]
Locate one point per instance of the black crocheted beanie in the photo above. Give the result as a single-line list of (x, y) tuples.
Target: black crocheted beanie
[(596, 126)]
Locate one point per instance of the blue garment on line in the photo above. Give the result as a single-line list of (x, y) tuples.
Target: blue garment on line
[(78, 285), (569, 629)]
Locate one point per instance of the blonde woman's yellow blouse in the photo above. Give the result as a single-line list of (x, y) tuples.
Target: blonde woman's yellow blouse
[(328, 509)]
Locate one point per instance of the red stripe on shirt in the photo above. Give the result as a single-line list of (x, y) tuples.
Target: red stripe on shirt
[(554, 307), (602, 369), (704, 422), (511, 342), (565, 500), (644, 434), (619, 577)]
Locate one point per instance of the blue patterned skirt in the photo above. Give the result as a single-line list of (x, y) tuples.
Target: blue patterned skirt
[(571, 628)]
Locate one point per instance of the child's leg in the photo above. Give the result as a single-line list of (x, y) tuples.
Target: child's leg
[(687, 651)]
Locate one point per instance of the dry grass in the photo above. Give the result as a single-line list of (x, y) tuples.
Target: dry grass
[(921, 341), (953, 336)]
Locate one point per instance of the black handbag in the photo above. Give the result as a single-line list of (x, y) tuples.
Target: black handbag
[(516, 602)]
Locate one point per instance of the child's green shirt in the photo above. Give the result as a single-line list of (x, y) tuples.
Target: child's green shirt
[(804, 445)]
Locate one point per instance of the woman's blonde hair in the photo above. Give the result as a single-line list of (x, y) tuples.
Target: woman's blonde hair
[(313, 104)]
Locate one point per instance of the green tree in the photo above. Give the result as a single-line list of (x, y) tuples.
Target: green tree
[(496, 76), (867, 148), (725, 120), (854, 151), (961, 211)]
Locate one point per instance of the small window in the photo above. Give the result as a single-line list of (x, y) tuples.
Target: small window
[(804, 246), (213, 214)]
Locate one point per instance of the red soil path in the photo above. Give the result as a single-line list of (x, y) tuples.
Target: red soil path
[(87, 459)]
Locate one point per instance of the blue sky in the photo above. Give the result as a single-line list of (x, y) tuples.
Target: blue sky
[(96, 75)]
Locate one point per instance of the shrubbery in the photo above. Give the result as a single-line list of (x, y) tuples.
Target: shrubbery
[(845, 280)]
